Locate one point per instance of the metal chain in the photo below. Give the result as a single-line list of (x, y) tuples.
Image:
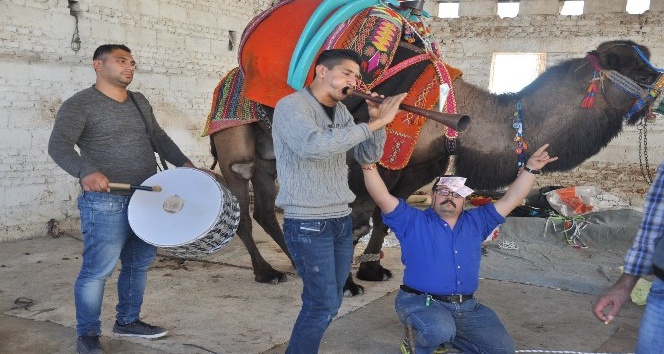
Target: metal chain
[(181, 262), (643, 151)]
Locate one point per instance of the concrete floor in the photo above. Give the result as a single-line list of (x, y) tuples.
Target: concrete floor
[(216, 307)]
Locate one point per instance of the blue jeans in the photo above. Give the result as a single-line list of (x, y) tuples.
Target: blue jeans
[(322, 251), (107, 237), (651, 331), (471, 326)]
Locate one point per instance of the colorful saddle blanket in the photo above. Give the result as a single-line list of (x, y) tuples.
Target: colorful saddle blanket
[(265, 53), (403, 132), (229, 107)]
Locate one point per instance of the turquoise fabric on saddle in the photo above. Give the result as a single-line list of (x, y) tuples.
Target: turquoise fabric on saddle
[(297, 77)]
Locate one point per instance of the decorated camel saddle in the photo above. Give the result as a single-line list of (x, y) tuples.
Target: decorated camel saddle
[(279, 46)]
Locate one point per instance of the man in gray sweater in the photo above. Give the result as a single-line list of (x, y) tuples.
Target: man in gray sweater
[(312, 131), (105, 122)]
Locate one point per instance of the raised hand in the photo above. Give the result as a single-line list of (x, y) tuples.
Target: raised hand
[(540, 158)]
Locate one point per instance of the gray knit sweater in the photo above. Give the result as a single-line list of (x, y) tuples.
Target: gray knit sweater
[(311, 156), (111, 138)]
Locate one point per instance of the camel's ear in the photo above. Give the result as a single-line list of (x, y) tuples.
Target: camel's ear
[(615, 58), (612, 61)]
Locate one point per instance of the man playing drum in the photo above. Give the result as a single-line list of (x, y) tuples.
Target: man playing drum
[(109, 123)]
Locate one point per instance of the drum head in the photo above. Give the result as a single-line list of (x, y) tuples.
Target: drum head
[(187, 207)]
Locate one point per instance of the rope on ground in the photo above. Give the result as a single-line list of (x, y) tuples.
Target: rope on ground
[(570, 226), (559, 351)]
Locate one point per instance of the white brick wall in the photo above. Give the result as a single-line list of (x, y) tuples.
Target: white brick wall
[(182, 51)]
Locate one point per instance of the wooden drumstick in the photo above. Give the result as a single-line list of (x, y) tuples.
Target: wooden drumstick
[(127, 186)]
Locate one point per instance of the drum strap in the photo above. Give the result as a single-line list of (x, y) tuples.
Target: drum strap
[(155, 146)]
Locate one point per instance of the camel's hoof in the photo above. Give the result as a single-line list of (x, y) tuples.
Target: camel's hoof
[(375, 273), (353, 289), (272, 277)]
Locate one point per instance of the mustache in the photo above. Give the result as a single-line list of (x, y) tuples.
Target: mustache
[(450, 202)]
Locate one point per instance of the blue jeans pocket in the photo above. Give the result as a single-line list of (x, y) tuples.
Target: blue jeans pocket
[(107, 207), (102, 203), (311, 228)]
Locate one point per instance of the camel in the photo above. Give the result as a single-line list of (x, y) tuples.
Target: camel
[(551, 113), (485, 153)]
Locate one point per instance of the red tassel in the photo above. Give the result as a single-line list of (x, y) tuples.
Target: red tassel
[(589, 100)]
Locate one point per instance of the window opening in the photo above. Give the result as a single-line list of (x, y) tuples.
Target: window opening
[(448, 10), (637, 7), (507, 9), (510, 72), (572, 7)]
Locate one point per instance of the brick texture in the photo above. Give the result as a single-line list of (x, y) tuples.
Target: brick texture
[(181, 47)]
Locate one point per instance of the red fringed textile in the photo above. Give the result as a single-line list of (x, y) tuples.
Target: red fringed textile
[(404, 130), (229, 107), (589, 100)]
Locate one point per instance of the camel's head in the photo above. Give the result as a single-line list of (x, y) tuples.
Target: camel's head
[(631, 61), (622, 57)]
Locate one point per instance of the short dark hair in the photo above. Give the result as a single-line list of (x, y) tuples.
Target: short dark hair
[(332, 57), (104, 49)]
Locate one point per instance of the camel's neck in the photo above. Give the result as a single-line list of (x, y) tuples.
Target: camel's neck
[(551, 114)]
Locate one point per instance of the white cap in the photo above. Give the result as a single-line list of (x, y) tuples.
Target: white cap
[(455, 184)]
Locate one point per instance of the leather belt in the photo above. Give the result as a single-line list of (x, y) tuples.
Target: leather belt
[(659, 272), (444, 298)]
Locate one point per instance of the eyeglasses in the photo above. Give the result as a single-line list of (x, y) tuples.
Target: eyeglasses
[(446, 192)]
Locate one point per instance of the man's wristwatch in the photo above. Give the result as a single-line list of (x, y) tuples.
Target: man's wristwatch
[(530, 170)]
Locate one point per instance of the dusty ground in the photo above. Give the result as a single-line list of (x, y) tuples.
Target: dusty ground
[(216, 307)]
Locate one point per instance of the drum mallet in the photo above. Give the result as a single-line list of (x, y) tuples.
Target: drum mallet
[(127, 186)]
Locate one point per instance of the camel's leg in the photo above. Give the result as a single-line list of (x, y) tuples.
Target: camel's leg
[(236, 154), (372, 270), (265, 181), (363, 208), (265, 193)]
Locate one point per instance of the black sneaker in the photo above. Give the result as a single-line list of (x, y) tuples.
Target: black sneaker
[(139, 328), (89, 345)]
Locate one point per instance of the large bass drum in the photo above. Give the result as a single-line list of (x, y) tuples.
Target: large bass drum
[(191, 216)]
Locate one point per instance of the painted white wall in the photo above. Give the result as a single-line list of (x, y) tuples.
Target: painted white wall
[(181, 47)]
